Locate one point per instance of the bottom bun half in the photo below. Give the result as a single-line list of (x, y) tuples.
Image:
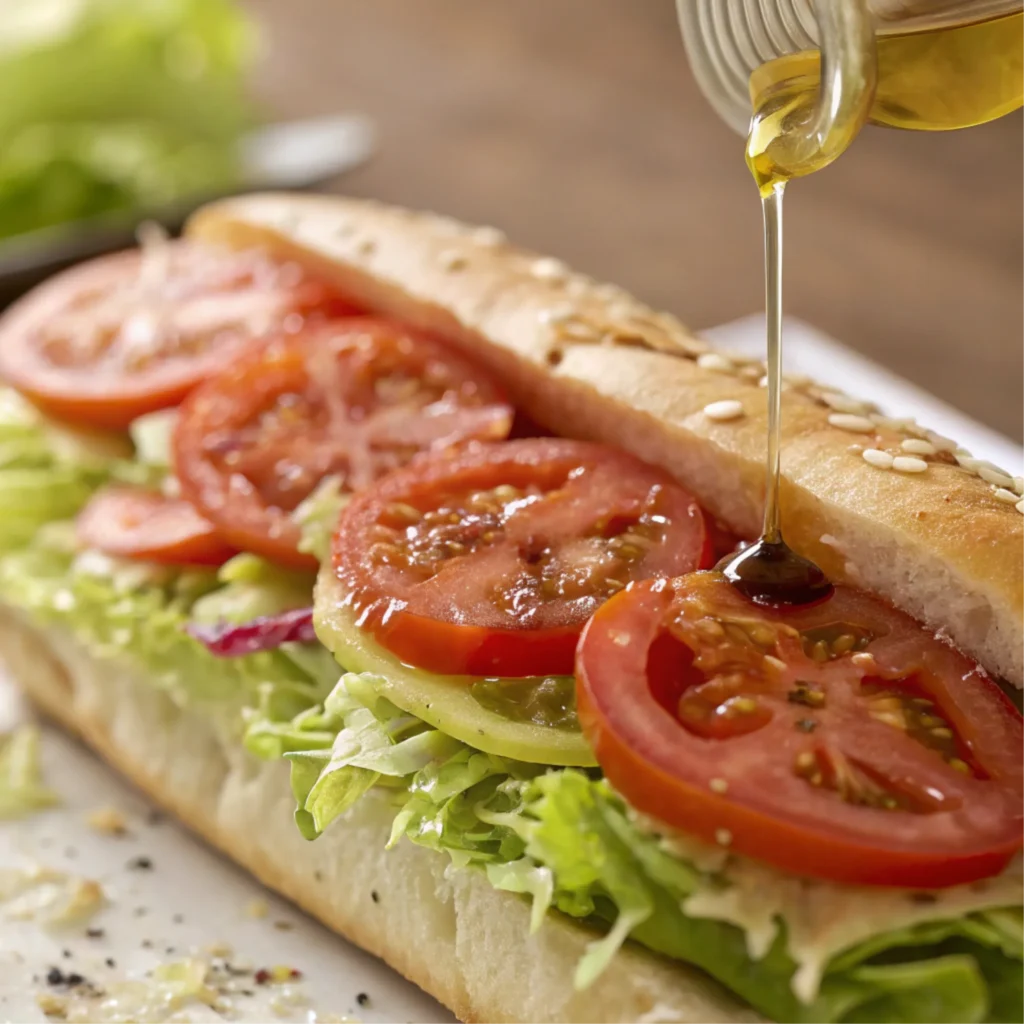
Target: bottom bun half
[(446, 930)]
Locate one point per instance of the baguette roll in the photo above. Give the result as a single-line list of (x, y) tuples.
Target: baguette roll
[(587, 360), (918, 522)]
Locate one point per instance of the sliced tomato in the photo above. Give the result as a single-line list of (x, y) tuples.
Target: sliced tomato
[(130, 333), (133, 523), (489, 563), (351, 398), (842, 741)]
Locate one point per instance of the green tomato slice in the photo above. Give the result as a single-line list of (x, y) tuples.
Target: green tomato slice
[(527, 719)]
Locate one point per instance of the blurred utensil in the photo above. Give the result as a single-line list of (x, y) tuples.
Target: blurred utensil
[(293, 155)]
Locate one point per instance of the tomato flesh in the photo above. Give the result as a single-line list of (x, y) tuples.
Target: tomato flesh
[(123, 335), (133, 523), (842, 741), (352, 399), (489, 563)]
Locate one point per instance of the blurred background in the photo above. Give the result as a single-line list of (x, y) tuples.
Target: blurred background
[(574, 125)]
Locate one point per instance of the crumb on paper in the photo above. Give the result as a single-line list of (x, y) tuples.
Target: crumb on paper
[(219, 949), (257, 908), (53, 1006), (107, 821), (54, 898)]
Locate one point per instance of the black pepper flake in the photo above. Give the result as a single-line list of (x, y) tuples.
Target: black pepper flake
[(248, 992), (139, 912), (140, 864), (375, 896), (66, 953), (146, 943), (178, 918), (924, 897), (363, 999), (806, 724), (154, 817), (55, 976), (318, 875), (94, 933), (284, 926), (70, 852), (110, 962)]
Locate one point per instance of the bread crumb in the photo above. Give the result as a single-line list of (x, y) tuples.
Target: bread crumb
[(107, 821), (257, 908), (53, 1006)]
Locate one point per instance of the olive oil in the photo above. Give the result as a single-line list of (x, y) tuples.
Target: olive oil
[(944, 78), (933, 80)]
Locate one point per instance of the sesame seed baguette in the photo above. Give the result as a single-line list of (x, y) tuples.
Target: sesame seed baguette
[(447, 930), (880, 503)]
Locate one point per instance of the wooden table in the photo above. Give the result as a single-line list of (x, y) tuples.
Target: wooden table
[(575, 125)]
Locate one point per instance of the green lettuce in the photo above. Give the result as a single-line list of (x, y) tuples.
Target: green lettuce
[(566, 840), (22, 790), (115, 105), (47, 470), (138, 611)]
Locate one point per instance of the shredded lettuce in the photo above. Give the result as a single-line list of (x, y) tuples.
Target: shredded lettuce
[(124, 609), (22, 790), (566, 840), (48, 471), (113, 105)]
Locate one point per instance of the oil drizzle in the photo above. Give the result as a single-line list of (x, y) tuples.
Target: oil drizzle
[(770, 572)]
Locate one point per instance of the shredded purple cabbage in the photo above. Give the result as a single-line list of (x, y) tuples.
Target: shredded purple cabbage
[(232, 640)]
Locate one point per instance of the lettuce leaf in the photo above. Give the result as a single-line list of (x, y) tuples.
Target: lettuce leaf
[(566, 840), (112, 105), (47, 470), (22, 790), (121, 609)]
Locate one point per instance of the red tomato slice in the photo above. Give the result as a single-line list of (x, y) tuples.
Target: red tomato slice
[(132, 523), (842, 741), (126, 334), (351, 398), (489, 563)]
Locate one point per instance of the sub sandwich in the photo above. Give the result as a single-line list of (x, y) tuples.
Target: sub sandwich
[(381, 552)]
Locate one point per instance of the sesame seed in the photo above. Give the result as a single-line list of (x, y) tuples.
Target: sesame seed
[(718, 785), (549, 269), (752, 371), (844, 403), (877, 458), (916, 446), (1020, 506), (1018, 484), (452, 260), (966, 460), (723, 836), (715, 361), (850, 421), (944, 444), (366, 246), (1003, 494), (909, 464), (730, 409), (900, 423), (487, 236), (997, 478)]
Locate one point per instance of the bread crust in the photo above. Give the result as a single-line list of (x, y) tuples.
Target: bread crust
[(587, 360), (448, 931)]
